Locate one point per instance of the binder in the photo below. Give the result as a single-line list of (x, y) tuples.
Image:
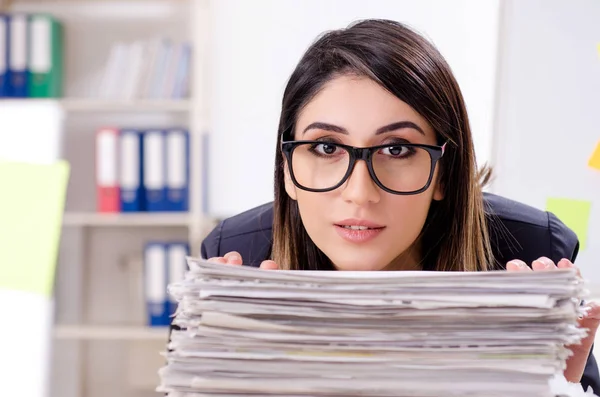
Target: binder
[(155, 284), (17, 55), (107, 183), (180, 88), (45, 57), (131, 190), (178, 173), (154, 170), (4, 44), (177, 253)]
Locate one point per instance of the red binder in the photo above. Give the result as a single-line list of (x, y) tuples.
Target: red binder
[(107, 176)]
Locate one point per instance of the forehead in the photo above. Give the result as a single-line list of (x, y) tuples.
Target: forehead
[(358, 104)]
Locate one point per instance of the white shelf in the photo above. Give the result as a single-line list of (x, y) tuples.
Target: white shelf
[(126, 219), (90, 332), (83, 105), (99, 105)]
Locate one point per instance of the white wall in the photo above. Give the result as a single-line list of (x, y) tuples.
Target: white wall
[(548, 109), (256, 45), (29, 133)]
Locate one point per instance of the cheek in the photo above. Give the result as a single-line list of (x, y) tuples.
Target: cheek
[(312, 207), (315, 212), (407, 214)]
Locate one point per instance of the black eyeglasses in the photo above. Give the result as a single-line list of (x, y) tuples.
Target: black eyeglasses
[(397, 168)]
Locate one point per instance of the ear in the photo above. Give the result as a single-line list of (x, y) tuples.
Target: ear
[(290, 188)]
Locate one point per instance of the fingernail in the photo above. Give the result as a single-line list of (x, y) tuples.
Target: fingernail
[(517, 264), (230, 257), (546, 262)]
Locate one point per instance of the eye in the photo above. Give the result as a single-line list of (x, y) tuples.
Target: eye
[(324, 148), (395, 151)]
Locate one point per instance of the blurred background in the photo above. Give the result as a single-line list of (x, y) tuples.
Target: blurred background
[(129, 128)]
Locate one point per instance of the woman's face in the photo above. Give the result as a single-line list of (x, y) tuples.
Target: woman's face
[(350, 110)]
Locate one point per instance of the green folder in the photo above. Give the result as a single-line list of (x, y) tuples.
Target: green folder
[(45, 57)]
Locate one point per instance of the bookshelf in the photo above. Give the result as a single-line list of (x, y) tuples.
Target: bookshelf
[(90, 219), (92, 105), (96, 105), (118, 333), (101, 344)]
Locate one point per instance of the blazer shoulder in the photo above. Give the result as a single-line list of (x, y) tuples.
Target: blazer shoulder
[(520, 231), (254, 220), (249, 233)]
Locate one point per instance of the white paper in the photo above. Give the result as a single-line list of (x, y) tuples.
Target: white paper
[(247, 331)]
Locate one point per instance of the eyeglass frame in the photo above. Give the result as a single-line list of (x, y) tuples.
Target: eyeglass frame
[(436, 152)]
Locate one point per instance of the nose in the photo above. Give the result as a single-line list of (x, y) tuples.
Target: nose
[(360, 189)]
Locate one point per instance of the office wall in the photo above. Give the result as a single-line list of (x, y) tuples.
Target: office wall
[(29, 133), (549, 102), (256, 44)]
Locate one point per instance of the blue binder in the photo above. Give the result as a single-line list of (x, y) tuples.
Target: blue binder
[(131, 151), (154, 170), (17, 55), (4, 50), (176, 254), (178, 169), (155, 284)]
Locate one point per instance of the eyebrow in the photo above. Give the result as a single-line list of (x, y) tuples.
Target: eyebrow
[(386, 128)]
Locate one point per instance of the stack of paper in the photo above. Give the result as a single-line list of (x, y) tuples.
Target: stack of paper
[(299, 333)]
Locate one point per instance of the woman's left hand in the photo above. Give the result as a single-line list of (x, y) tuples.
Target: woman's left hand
[(591, 319)]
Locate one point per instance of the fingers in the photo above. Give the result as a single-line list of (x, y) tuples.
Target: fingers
[(517, 265), (269, 265), (567, 264), (543, 263), (233, 258), (217, 259), (591, 317), (230, 258), (577, 361)]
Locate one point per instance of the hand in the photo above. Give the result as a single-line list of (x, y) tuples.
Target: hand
[(590, 321), (234, 258)]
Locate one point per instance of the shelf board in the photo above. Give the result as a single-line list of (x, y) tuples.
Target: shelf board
[(83, 105), (100, 105), (126, 219), (91, 332)]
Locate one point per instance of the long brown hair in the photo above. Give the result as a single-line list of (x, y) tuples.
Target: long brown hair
[(455, 236)]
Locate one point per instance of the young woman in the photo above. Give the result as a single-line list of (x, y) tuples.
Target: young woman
[(375, 170)]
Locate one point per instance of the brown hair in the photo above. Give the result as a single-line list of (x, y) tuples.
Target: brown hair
[(455, 236)]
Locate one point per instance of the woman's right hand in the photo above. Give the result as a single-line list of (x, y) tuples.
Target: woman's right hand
[(234, 258)]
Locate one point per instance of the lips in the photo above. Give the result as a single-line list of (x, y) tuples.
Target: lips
[(358, 224), (356, 227), (358, 230)]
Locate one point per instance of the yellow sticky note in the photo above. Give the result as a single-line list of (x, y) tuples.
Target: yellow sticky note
[(32, 198), (573, 213), (594, 161)]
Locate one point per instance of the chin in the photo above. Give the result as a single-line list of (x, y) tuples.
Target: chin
[(359, 264)]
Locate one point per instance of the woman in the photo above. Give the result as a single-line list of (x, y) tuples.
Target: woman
[(375, 170)]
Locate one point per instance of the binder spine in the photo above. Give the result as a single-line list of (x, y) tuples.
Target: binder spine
[(4, 53), (107, 188), (131, 171), (155, 284), (154, 170), (17, 59), (177, 268), (45, 57), (178, 164)]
